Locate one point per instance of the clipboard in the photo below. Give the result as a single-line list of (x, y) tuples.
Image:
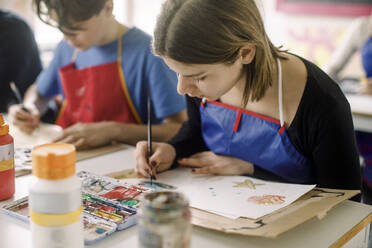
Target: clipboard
[(315, 203)]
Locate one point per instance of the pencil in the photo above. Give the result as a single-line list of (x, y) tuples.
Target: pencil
[(17, 94), (149, 140)]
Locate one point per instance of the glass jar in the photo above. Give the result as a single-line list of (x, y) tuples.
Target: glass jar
[(164, 220)]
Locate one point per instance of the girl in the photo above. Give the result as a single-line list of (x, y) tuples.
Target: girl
[(253, 109)]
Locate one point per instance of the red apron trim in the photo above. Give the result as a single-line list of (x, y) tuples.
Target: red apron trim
[(281, 130), (237, 121), (246, 112), (127, 95)]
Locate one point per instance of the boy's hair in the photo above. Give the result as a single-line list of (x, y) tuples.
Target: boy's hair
[(65, 13), (213, 31)]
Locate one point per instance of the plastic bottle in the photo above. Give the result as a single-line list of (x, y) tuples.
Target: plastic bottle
[(55, 198), (6, 161)]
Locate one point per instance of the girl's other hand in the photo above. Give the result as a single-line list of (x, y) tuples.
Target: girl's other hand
[(210, 163)]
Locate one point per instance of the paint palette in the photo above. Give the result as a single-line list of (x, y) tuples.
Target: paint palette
[(109, 205), (115, 192)]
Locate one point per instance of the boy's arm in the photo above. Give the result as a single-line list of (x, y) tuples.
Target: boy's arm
[(132, 133), (89, 135), (36, 101)]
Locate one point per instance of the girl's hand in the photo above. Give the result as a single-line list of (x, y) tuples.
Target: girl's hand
[(210, 163), (162, 158)]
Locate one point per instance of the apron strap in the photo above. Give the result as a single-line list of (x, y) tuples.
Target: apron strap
[(237, 121), (119, 46), (280, 93), (74, 55)]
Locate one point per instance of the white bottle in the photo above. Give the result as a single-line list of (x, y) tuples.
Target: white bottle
[(55, 198)]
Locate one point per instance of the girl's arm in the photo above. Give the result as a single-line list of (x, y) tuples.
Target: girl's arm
[(189, 140)]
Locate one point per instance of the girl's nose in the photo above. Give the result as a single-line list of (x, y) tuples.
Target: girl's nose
[(184, 85)]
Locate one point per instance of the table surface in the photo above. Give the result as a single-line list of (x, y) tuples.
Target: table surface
[(338, 222)]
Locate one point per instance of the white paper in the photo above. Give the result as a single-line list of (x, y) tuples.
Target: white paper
[(234, 196)]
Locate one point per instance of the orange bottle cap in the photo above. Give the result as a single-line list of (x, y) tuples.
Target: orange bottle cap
[(4, 128), (53, 161)]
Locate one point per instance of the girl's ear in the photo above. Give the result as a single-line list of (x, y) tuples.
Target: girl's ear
[(247, 53), (109, 7)]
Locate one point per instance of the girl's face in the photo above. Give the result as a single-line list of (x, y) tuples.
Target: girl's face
[(206, 80)]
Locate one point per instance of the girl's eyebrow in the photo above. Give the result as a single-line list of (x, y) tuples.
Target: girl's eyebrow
[(194, 75)]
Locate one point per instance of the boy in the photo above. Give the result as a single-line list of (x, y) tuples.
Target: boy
[(103, 70)]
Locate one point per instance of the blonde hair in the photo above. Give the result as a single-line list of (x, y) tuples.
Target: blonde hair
[(213, 31)]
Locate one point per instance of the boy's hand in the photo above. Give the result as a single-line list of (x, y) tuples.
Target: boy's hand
[(87, 135), (26, 120)]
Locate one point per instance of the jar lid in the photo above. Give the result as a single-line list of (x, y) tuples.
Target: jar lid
[(4, 128), (53, 161)]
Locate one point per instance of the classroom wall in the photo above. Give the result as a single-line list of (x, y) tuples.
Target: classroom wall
[(313, 37)]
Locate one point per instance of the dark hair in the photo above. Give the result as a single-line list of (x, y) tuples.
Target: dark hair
[(213, 31), (67, 12)]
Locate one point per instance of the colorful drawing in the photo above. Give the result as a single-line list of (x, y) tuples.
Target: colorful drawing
[(326, 8), (22, 159), (247, 184), (213, 193), (156, 185), (267, 199)]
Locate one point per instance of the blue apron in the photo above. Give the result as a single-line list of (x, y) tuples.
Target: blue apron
[(258, 139), (366, 54)]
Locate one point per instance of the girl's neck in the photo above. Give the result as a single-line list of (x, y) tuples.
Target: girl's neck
[(235, 95)]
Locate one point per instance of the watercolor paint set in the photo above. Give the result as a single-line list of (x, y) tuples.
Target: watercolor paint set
[(109, 205)]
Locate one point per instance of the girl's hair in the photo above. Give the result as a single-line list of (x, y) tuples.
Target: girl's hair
[(67, 12), (213, 31)]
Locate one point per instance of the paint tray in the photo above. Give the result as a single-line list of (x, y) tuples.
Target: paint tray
[(108, 206), (113, 192)]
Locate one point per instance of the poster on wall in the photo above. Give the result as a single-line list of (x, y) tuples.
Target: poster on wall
[(326, 7)]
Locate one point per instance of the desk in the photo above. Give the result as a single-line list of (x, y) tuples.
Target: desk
[(342, 222), (361, 108)]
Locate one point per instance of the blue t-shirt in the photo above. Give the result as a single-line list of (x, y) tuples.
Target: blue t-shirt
[(140, 68)]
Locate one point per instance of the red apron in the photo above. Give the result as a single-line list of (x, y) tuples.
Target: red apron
[(97, 93)]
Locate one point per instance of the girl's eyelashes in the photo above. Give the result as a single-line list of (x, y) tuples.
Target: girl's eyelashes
[(199, 79)]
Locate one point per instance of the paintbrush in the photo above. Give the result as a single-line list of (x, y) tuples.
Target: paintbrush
[(149, 139), (17, 94)]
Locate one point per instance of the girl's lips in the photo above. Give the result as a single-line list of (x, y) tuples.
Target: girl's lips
[(198, 96)]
